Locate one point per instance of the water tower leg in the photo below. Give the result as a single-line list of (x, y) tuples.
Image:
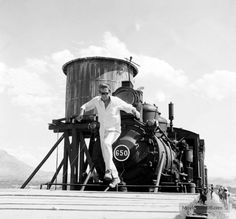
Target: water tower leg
[(56, 173), (74, 159), (42, 162), (65, 160)]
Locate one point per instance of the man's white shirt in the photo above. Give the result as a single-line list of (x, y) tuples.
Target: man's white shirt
[(109, 117)]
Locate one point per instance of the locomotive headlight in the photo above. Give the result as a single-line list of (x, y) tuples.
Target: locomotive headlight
[(121, 152)]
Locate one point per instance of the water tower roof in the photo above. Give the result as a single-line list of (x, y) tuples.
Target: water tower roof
[(96, 58)]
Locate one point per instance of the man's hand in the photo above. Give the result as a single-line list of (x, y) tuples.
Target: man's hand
[(81, 115), (79, 118), (136, 113)]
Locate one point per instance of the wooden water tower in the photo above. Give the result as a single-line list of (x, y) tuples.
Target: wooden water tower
[(83, 77)]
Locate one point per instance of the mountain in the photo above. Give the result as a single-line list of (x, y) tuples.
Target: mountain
[(228, 182), (14, 172)]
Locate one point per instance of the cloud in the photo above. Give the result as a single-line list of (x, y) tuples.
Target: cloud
[(61, 57), (33, 85), (111, 46), (217, 85), (26, 82), (3, 77), (159, 79), (152, 69), (137, 27), (36, 65)]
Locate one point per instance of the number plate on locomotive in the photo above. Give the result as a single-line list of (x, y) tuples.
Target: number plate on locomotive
[(121, 152)]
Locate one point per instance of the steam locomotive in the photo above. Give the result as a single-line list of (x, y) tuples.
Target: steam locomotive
[(150, 154)]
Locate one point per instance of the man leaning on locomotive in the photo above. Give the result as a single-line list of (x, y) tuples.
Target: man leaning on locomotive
[(108, 108)]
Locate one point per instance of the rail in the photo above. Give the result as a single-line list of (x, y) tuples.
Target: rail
[(106, 187)]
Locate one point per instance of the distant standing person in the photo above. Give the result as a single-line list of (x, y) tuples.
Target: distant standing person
[(108, 108), (225, 197), (212, 190)]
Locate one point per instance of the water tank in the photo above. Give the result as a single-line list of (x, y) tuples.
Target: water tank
[(85, 74)]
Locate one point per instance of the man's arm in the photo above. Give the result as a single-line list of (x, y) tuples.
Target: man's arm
[(128, 108), (81, 114), (86, 107)]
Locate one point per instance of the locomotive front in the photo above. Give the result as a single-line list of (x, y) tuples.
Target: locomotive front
[(143, 151)]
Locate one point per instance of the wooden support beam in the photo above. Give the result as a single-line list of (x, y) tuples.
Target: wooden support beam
[(75, 149), (81, 157), (61, 127), (74, 159), (42, 162), (65, 159), (56, 173)]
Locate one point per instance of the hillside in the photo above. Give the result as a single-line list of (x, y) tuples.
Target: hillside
[(222, 181), (14, 172)]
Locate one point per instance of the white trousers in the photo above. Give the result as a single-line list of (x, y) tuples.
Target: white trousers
[(107, 138)]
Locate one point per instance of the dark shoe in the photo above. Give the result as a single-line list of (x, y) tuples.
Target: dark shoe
[(114, 182), (108, 176), (122, 187)]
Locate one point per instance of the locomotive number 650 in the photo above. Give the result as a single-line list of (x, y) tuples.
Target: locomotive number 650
[(121, 152)]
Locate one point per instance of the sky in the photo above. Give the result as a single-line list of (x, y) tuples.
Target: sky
[(186, 50)]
